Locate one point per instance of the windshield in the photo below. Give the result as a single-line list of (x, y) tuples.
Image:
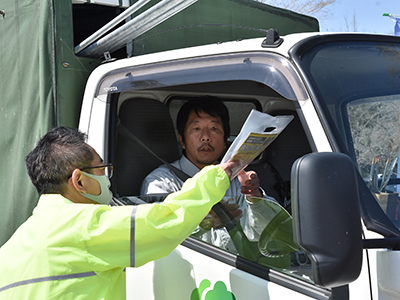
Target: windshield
[(356, 85)]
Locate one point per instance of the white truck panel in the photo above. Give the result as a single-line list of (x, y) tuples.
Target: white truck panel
[(177, 275)]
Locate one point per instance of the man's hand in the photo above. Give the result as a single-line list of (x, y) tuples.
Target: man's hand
[(250, 184), (233, 209), (228, 167)]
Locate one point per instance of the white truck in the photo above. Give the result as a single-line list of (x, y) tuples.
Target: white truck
[(343, 91)]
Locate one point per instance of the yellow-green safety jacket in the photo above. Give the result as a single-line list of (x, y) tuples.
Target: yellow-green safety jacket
[(79, 251)]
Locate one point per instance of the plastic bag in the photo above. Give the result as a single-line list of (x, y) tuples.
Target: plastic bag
[(257, 133)]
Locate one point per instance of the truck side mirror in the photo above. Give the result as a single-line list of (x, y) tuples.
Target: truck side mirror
[(326, 216)]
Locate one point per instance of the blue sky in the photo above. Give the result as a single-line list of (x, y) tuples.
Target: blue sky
[(368, 16)]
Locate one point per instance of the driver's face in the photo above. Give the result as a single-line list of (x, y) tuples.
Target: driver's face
[(204, 139)]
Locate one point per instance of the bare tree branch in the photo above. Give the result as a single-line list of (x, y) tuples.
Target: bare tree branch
[(353, 25)]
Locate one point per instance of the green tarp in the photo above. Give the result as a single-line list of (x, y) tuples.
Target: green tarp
[(41, 84), (215, 21)]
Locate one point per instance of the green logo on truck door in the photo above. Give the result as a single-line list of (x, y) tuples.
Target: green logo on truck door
[(218, 293)]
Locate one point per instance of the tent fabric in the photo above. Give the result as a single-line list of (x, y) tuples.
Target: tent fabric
[(215, 21), (42, 84), (27, 101)]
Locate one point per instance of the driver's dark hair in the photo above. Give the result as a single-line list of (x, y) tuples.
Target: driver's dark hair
[(210, 105), (56, 155)]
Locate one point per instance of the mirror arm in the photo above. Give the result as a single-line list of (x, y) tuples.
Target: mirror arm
[(388, 243)]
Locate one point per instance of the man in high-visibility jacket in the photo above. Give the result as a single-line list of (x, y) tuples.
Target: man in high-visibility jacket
[(75, 246)]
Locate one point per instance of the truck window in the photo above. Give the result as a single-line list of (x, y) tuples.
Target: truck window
[(356, 87), (374, 126), (271, 246)]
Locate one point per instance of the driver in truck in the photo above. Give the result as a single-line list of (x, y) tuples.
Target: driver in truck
[(203, 129), (75, 245)]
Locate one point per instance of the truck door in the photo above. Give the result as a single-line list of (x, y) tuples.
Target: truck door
[(244, 81)]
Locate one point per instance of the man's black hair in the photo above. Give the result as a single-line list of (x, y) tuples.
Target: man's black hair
[(54, 158), (211, 106)]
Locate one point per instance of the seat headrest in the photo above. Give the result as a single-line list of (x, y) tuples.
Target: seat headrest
[(150, 121)]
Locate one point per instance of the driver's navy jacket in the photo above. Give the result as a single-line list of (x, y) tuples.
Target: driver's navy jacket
[(79, 251)]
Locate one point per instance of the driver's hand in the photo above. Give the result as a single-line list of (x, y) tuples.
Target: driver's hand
[(233, 209), (250, 184)]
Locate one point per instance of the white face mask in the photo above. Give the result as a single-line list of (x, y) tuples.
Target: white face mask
[(105, 196)]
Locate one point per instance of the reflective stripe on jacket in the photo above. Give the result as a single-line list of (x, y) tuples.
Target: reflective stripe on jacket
[(79, 251)]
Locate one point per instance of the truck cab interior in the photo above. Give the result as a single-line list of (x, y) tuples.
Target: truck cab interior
[(151, 117)]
